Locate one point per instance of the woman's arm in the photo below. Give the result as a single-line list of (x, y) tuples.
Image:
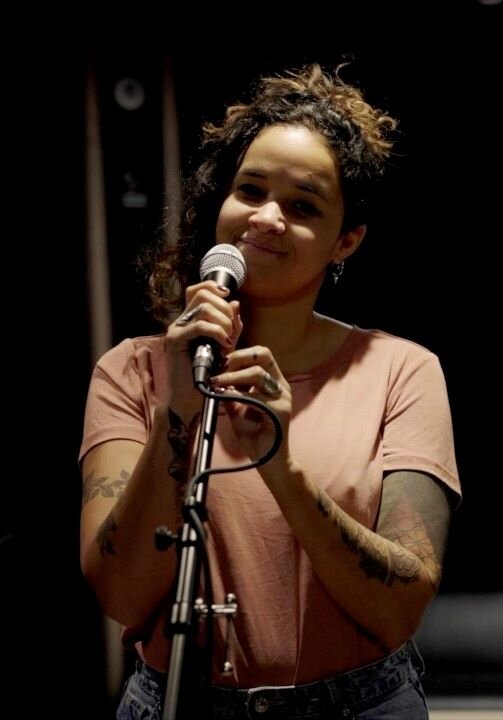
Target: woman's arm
[(130, 490), (383, 579)]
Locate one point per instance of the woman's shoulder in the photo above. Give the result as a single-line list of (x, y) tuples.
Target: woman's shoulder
[(351, 338), (404, 357), (391, 342), (340, 345), (133, 349)]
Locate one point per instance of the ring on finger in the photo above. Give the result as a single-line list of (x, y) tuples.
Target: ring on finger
[(188, 316), (271, 386)]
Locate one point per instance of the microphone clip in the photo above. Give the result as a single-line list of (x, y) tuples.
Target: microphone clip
[(203, 364)]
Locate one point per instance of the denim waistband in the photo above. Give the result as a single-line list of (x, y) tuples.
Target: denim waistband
[(342, 690)]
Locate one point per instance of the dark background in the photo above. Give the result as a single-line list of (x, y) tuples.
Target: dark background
[(428, 269)]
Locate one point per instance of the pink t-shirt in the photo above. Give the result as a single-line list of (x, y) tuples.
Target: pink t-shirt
[(378, 404)]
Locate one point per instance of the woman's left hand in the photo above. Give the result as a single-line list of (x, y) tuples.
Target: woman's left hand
[(255, 373)]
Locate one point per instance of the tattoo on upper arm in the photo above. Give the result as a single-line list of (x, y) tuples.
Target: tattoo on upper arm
[(180, 438), (103, 486), (415, 514)]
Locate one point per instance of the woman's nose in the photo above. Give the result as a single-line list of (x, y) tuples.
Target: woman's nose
[(268, 219)]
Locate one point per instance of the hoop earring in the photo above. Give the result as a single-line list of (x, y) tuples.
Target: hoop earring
[(337, 270)]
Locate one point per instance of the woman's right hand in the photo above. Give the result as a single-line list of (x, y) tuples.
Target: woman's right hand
[(207, 314)]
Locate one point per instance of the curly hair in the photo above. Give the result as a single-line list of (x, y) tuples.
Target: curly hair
[(358, 133)]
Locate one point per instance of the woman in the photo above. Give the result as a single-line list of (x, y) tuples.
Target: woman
[(334, 546)]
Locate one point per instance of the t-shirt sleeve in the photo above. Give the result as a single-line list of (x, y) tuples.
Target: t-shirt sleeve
[(418, 432), (115, 407)]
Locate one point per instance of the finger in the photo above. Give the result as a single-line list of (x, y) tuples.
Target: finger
[(257, 355), (208, 313), (236, 319), (204, 328), (251, 378), (206, 291), (209, 296)]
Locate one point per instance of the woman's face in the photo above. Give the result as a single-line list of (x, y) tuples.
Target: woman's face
[(284, 212)]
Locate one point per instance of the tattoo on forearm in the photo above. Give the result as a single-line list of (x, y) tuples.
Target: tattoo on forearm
[(376, 559), (103, 486), (180, 438)]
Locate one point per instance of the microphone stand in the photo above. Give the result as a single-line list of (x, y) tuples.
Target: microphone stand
[(189, 564)]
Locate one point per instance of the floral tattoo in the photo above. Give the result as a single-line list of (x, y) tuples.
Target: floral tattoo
[(105, 487)]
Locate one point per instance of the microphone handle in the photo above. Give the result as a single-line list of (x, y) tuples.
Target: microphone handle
[(206, 351)]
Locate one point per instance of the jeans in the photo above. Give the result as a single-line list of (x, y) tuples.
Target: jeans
[(389, 689)]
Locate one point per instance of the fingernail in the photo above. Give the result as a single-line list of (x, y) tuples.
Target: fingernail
[(223, 289)]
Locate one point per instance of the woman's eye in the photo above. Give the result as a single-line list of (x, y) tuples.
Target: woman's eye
[(304, 207), (250, 190)]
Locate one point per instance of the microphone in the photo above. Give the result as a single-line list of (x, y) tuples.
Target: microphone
[(226, 265)]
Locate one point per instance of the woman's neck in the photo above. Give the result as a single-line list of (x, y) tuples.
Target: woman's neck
[(275, 327), (298, 337), (287, 331)]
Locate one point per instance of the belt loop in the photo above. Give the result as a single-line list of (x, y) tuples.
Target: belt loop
[(336, 700), (416, 657), (331, 691)]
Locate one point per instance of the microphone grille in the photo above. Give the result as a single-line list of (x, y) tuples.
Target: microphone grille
[(224, 257)]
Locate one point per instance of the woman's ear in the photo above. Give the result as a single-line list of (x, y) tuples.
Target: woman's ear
[(348, 242)]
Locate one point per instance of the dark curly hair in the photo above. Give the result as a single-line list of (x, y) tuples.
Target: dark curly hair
[(358, 133)]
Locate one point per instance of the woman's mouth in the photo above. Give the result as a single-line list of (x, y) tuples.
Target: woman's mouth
[(263, 246)]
